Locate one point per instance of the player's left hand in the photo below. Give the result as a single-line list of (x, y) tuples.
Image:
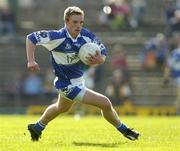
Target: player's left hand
[(95, 59)]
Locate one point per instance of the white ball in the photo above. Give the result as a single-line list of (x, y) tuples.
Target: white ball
[(86, 49)]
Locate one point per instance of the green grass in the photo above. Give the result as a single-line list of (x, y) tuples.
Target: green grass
[(90, 133)]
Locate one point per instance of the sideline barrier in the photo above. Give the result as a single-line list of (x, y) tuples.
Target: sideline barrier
[(126, 109)]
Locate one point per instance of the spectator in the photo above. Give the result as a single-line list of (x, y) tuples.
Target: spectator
[(32, 85), (172, 16), (170, 8), (138, 11), (7, 23), (155, 52), (115, 14), (120, 14), (13, 87), (103, 16), (118, 88), (175, 22), (173, 70), (118, 59)]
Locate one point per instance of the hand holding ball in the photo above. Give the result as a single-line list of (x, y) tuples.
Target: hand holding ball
[(87, 50)]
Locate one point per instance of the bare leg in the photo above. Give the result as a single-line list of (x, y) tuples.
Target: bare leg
[(102, 102), (62, 105), (90, 97)]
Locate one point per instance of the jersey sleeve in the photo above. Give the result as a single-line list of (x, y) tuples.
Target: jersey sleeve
[(91, 37), (100, 44), (39, 37), (48, 39), (174, 60)]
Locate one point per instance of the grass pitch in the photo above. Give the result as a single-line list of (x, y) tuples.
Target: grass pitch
[(90, 133)]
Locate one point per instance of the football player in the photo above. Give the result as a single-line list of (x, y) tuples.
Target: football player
[(63, 46)]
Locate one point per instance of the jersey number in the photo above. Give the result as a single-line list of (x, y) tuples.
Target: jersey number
[(70, 58)]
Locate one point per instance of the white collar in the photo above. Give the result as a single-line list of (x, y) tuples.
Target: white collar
[(69, 36)]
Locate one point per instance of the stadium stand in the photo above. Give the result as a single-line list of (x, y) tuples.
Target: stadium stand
[(147, 87)]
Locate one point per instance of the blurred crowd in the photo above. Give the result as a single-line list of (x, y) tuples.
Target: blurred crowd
[(8, 15), (30, 85), (160, 52), (172, 16), (123, 14), (131, 14)]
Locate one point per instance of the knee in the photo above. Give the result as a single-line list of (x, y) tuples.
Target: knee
[(106, 105)]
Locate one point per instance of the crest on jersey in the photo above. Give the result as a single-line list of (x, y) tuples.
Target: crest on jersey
[(68, 46), (77, 44)]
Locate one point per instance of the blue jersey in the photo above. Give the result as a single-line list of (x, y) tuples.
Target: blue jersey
[(64, 52), (174, 63)]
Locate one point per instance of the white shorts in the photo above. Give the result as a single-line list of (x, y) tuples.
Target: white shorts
[(74, 91)]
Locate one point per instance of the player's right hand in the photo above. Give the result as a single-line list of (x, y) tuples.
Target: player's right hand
[(33, 66), (95, 59)]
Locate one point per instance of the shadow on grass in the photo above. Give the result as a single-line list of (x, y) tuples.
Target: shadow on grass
[(98, 144)]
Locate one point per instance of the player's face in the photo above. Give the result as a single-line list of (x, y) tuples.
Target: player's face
[(74, 24)]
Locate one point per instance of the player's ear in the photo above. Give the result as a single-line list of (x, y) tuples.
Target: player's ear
[(66, 20)]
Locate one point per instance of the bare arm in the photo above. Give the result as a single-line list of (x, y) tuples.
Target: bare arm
[(31, 63)]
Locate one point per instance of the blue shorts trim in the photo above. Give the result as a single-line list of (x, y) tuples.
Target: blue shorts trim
[(73, 93)]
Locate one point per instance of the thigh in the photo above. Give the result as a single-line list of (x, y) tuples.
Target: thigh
[(64, 103), (94, 98)]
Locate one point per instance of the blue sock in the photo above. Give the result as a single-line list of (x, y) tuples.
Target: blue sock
[(122, 127), (39, 126)]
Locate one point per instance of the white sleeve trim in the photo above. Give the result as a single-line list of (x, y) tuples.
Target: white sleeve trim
[(52, 44)]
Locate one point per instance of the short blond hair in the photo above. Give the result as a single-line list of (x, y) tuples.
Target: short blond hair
[(72, 10)]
